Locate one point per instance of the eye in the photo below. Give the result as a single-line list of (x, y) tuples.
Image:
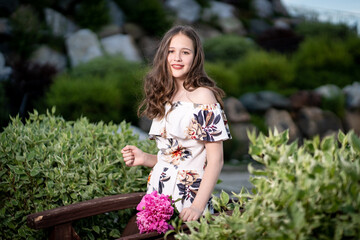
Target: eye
[(186, 52), (171, 51)]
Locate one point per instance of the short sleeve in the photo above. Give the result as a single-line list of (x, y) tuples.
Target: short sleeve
[(208, 123)]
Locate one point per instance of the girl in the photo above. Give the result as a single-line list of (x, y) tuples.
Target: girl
[(188, 125)]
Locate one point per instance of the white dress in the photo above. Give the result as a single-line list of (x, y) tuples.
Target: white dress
[(180, 137)]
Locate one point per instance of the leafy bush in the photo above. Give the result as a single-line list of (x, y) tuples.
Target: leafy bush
[(49, 162), (307, 192), (26, 30), (225, 78), (149, 14), (227, 48), (327, 29), (260, 70), (321, 61), (92, 14), (104, 89)]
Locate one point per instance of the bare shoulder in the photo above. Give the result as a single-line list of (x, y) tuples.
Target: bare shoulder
[(202, 95)]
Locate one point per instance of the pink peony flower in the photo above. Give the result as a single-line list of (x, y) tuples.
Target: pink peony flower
[(154, 212)]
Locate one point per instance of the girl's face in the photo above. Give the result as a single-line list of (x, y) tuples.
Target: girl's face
[(180, 56)]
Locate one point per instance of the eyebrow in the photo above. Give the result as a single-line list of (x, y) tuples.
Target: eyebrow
[(184, 48)]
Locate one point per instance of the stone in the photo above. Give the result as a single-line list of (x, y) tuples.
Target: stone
[(109, 30), (305, 98), (314, 121), (5, 71), (45, 55), (281, 24), (116, 14), (134, 30), (279, 7), (352, 94), (263, 100), (60, 25), (263, 8), (258, 26), (148, 46), (282, 120), (83, 46), (329, 91), (122, 44), (224, 13), (352, 121), (239, 134), (207, 32), (4, 26), (186, 10), (235, 111)]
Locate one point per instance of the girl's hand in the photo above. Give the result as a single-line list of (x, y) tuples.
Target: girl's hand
[(190, 214), (133, 156)]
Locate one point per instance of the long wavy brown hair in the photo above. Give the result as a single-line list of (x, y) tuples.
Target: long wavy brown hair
[(159, 85)]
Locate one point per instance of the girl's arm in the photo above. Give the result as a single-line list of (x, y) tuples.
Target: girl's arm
[(133, 156), (215, 161)]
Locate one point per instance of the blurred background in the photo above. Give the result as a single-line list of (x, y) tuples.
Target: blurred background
[(287, 64)]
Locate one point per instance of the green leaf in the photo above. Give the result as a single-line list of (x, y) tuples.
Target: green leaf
[(224, 197), (355, 142), (96, 229)]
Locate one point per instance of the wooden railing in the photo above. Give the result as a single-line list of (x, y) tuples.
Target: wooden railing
[(59, 220)]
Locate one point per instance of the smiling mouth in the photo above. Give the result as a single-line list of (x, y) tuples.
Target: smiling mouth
[(177, 66)]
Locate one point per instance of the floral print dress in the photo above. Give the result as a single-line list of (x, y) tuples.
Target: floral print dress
[(180, 137)]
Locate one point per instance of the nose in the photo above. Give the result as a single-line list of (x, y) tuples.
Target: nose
[(178, 57)]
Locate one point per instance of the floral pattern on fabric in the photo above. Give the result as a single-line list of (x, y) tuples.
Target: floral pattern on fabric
[(163, 178), (203, 126), (189, 184), (175, 152)]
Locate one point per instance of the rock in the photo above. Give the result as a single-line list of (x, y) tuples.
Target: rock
[(279, 7), (186, 10), (258, 26), (227, 20), (207, 32), (352, 93), (280, 23), (148, 47), (45, 55), (4, 26), (145, 123), (134, 30), (329, 91), (235, 111), (123, 44), (109, 30), (83, 46), (116, 14), (282, 120), (313, 121), (305, 98), (262, 101), (263, 8), (4, 71), (239, 134), (60, 25), (352, 121)]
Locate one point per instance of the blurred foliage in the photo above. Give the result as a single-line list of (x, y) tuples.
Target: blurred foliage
[(4, 108), (104, 89), (227, 48), (26, 30), (261, 70), (224, 76), (326, 29), (48, 162), (321, 60), (149, 14), (92, 14)]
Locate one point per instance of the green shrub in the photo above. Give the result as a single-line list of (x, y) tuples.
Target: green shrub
[(307, 192), (26, 30), (224, 77), (149, 14), (327, 29), (261, 70), (92, 14), (321, 61), (227, 48), (48, 162), (106, 89)]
